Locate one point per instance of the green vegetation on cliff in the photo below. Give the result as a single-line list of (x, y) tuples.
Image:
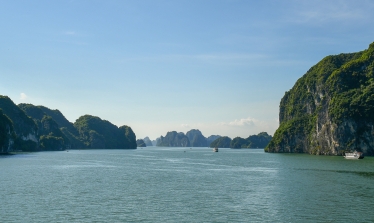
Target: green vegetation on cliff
[(101, 134), (221, 142), (25, 129), (330, 109), (50, 135), (7, 134), (174, 139), (260, 140), (196, 138), (140, 143)]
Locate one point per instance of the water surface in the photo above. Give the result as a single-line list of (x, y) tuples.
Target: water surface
[(158, 184)]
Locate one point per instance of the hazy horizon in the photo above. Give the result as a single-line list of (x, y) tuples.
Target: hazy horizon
[(218, 66)]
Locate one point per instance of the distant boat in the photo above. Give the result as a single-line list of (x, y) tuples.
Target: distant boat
[(354, 155), (215, 149)]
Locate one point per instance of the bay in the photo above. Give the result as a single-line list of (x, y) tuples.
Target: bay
[(163, 184)]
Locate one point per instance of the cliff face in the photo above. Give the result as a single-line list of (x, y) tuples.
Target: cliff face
[(196, 138), (221, 142), (101, 134), (140, 143), (211, 138), (147, 141), (260, 140), (330, 109), (50, 135), (25, 129), (174, 139), (7, 134)]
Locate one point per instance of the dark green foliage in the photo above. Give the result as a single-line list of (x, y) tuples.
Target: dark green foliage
[(47, 126), (51, 143), (260, 140), (74, 140), (336, 93), (23, 125), (222, 142), (174, 139), (60, 119), (7, 134), (25, 129), (196, 138), (130, 137), (25, 145), (101, 134), (238, 142), (140, 143)]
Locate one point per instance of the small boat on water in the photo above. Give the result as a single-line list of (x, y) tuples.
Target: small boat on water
[(215, 149), (354, 155)]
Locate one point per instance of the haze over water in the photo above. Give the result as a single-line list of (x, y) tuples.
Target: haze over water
[(159, 184)]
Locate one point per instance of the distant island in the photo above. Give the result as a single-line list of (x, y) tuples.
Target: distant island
[(260, 140), (330, 110), (194, 138), (27, 127)]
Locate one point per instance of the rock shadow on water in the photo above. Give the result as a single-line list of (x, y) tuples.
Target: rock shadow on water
[(360, 173)]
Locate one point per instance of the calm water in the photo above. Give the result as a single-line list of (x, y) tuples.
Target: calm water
[(170, 185)]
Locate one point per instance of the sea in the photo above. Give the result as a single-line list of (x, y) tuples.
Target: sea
[(167, 184)]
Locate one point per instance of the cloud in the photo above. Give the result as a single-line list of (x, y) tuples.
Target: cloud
[(185, 125), (242, 122), (23, 96)]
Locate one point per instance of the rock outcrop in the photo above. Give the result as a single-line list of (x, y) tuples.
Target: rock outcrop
[(7, 134), (147, 141), (174, 139), (330, 109), (196, 138), (140, 143), (221, 142), (50, 136), (260, 140), (101, 134), (25, 129), (211, 138)]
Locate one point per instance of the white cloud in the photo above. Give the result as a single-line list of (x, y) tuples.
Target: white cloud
[(23, 96), (243, 122), (185, 125)]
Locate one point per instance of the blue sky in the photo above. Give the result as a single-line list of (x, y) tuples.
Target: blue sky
[(221, 66)]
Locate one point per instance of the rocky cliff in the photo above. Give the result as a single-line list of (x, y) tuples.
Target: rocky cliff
[(101, 134), (25, 129), (330, 109), (260, 140), (7, 134), (211, 138), (140, 143), (221, 142), (174, 139), (196, 138), (147, 141), (50, 135)]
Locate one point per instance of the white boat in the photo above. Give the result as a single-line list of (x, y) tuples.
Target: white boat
[(354, 155), (215, 149)]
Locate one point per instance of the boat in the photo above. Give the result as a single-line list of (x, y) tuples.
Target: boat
[(354, 155), (215, 149)]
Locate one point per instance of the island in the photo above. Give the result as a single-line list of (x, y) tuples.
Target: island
[(330, 109)]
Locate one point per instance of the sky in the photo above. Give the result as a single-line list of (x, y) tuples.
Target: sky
[(220, 66)]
